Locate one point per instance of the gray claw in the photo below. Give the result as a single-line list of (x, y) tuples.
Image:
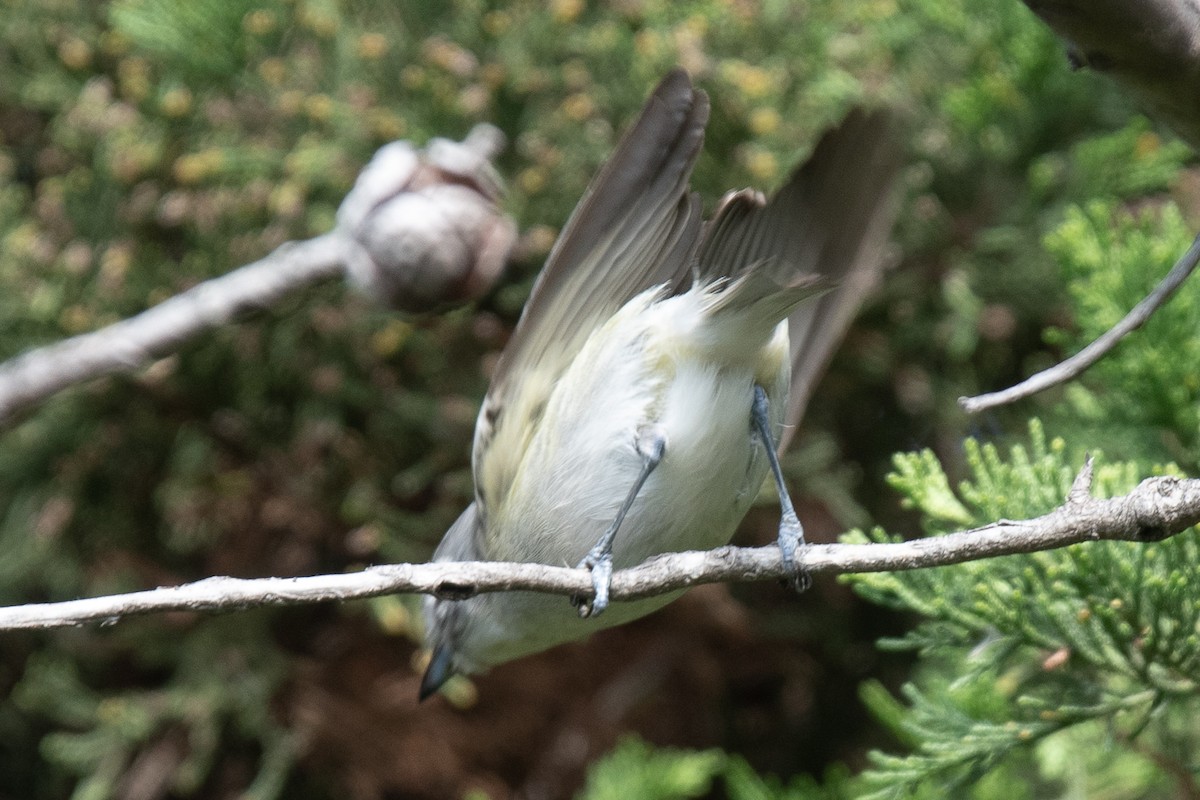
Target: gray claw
[(791, 542), (601, 567)]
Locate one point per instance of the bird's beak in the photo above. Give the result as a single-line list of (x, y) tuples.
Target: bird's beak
[(438, 671)]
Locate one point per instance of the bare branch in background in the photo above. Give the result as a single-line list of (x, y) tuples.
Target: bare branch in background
[(1157, 508), (133, 343), (1078, 363), (391, 236), (1152, 49)]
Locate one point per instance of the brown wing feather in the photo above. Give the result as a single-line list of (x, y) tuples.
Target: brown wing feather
[(636, 227), (831, 221)]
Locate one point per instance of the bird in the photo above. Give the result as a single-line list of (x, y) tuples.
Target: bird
[(658, 366)]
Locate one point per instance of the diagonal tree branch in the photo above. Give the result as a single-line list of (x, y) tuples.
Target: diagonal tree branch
[(1078, 363), (132, 343), (1157, 508), (390, 239), (1152, 49)]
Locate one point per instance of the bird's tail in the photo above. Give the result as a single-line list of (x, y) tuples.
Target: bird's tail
[(827, 228)]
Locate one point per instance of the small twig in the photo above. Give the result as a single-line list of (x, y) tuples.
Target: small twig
[(1076, 364), (1155, 509), (133, 343), (1081, 487)]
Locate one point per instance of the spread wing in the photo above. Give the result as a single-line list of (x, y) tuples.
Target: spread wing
[(636, 227), (830, 222)]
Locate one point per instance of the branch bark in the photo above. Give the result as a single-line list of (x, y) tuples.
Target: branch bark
[(1157, 508)]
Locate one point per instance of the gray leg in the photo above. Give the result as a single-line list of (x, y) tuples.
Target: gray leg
[(652, 443), (791, 534)]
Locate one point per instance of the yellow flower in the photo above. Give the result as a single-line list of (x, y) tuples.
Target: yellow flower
[(497, 22), (386, 125), (372, 46), (176, 102), (320, 23), (578, 107), (195, 167), (566, 10), (259, 22), (762, 165), (388, 340), (75, 53), (1147, 144), (532, 180), (318, 107), (134, 76), (764, 121), (273, 70)]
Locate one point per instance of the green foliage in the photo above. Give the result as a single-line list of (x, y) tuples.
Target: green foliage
[(1145, 401), (653, 773), (635, 769), (1047, 649), (1076, 671), (197, 41), (217, 704), (146, 145), (1129, 162)]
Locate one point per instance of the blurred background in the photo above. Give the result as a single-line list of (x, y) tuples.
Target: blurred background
[(148, 145)]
